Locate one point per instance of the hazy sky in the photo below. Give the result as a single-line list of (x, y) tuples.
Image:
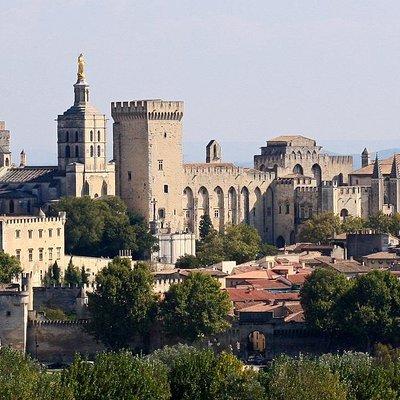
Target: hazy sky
[(247, 70)]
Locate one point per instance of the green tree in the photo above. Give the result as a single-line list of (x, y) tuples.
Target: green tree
[(320, 228), (187, 261), (380, 222), (72, 275), (10, 267), (53, 275), (84, 276), (102, 227), (196, 307), (319, 298), (146, 242), (352, 224), (197, 374), (123, 304), (242, 243), (370, 309), (205, 226), (268, 250), (239, 243), (367, 378), (119, 376), (301, 379), (211, 249), (23, 379)]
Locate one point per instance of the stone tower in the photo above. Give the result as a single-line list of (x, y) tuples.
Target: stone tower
[(213, 152), (394, 185), (5, 153), (82, 145), (365, 158), (22, 159), (377, 188), (147, 137)]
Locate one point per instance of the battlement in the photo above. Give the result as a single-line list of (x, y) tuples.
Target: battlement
[(352, 189), (226, 169), (307, 189), (341, 159), (36, 322), (30, 220), (147, 109)]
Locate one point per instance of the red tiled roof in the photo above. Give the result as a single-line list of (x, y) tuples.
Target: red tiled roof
[(259, 295)]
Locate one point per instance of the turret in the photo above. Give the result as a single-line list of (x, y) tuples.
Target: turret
[(22, 158), (213, 152), (365, 158)]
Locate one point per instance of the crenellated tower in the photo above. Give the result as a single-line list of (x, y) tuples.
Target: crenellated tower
[(147, 137)]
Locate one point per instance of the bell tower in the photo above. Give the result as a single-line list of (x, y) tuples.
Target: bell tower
[(81, 132)]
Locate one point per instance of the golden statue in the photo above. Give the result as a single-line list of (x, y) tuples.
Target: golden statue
[(81, 68)]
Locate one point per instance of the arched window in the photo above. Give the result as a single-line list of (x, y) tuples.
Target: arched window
[(76, 151), (98, 136), (91, 151), (298, 169), (91, 136), (344, 213), (76, 136), (98, 151), (67, 152), (11, 207)]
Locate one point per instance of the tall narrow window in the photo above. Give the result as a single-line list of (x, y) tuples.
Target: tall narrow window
[(76, 151), (91, 136), (129, 175), (67, 152), (98, 151), (165, 188), (67, 136), (160, 165), (76, 136), (91, 151), (98, 136), (11, 207), (50, 253)]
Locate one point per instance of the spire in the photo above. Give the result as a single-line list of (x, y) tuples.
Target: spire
[(377, 173), (22, 157), (394, 173), (365, 151)]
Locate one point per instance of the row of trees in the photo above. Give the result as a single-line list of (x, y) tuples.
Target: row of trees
[(240, 243), (321, 227), (102, 227), (72, 275), (183, 373), (365, 310), (124, 306)]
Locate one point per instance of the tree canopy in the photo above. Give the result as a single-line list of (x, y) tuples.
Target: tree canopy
[(320, 228), (319, 297), (196, 307), (102, 227), (123, 304), (238, 243), (197, 374), (10, 267), (367, 309)]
